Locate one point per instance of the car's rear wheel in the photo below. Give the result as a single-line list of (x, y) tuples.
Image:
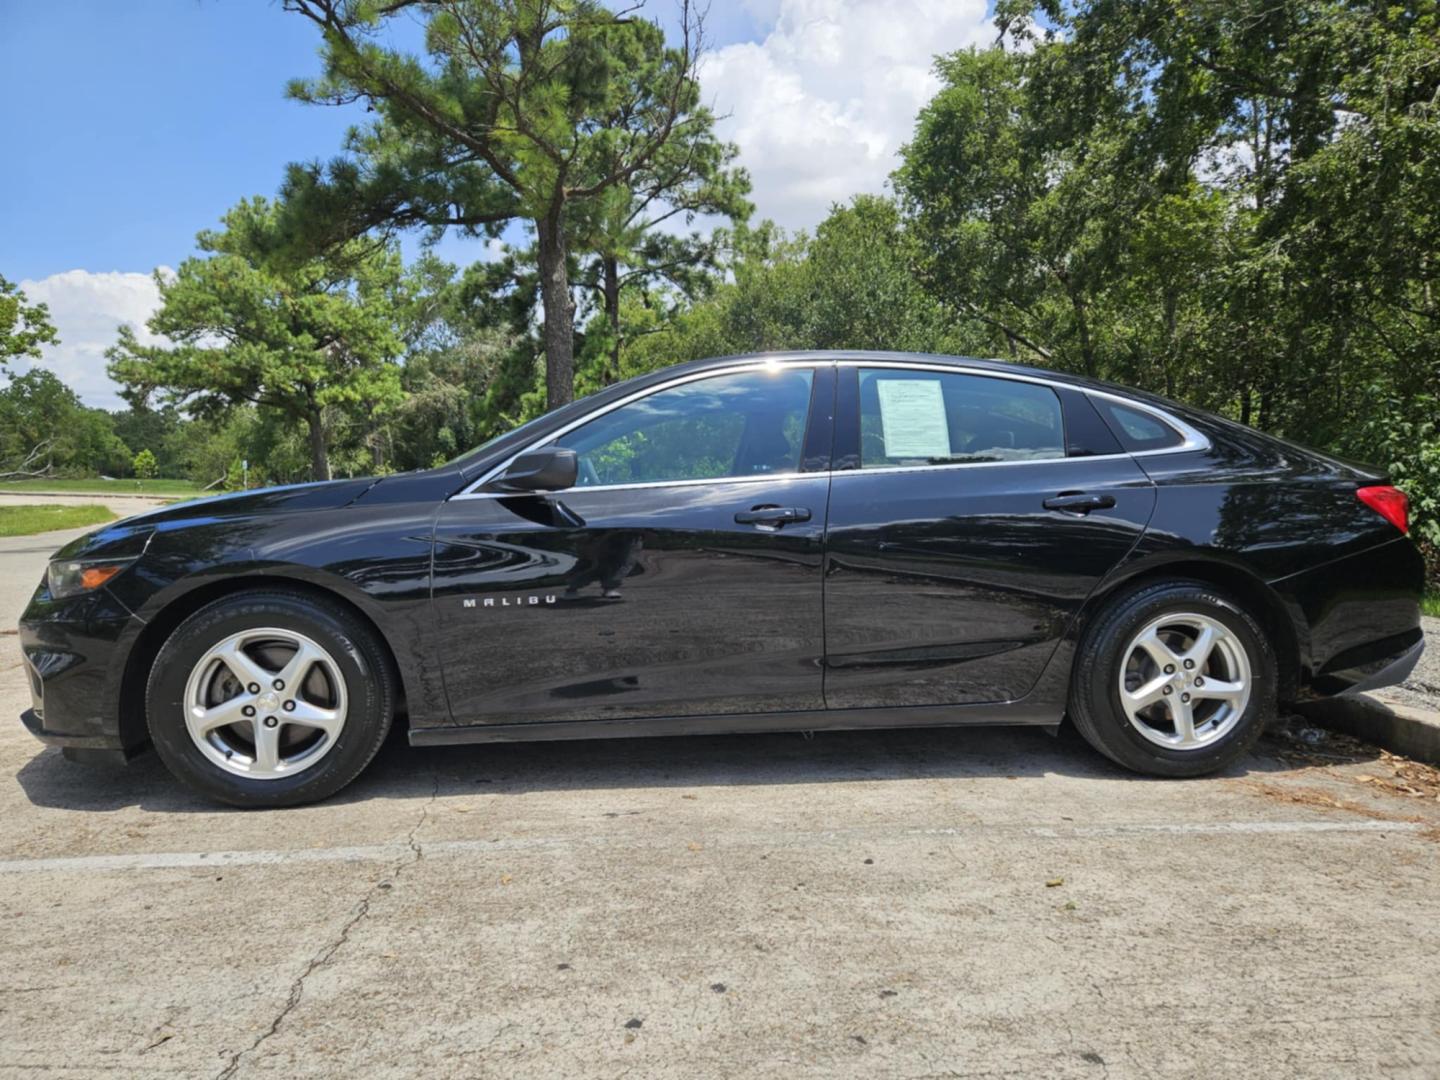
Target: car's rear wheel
[(1173, 679), (269, 698)]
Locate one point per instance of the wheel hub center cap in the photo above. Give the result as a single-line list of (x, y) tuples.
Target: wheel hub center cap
[(269, 701)]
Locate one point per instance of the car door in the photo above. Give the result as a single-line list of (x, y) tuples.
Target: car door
[(681, 575), (971, 514)]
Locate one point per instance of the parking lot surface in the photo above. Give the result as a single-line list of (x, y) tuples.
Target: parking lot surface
[(901, 904)]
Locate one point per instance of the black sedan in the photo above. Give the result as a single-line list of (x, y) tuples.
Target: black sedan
[(763, 543)]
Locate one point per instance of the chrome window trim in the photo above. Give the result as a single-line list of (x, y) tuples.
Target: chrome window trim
[(474, 492), (880, 470), (1192, 440)]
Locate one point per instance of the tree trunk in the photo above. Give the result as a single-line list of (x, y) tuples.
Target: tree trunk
[(319, 457), (1169, 352), (612, 312), (1087, 347), (559, 309)]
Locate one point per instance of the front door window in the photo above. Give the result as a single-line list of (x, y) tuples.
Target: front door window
[(745, 424)]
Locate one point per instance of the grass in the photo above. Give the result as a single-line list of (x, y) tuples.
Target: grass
[(28, 520), (104, 487), (1430, 604)]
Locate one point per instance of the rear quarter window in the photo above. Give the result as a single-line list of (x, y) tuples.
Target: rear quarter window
[(1137, 429)]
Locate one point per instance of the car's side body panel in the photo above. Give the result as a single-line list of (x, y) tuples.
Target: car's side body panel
[(629, 602), (954, 585)]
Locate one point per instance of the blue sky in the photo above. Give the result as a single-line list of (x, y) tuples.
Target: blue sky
[(128, 127)]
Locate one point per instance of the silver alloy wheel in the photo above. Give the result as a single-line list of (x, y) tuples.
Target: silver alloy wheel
[(1185, 681), (265, 703)]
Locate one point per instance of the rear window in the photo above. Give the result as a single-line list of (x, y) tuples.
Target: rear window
[(1137, 429)]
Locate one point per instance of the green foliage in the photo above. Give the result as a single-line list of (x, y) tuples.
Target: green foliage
[(854, 285), (152, 429), (145, 465), (24, 327), (1405, 437), (44, 427), (250, 326)]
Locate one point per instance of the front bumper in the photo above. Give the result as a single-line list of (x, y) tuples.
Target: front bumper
[(75, 653), (97, 749)]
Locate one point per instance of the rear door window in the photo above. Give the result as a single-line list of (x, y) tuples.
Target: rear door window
[(919, 417)]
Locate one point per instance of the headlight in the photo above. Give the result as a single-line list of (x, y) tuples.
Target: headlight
[(71, 577)]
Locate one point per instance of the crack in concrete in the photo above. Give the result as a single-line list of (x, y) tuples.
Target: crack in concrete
[(414, 854)]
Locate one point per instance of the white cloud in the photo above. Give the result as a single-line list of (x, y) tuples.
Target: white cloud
[(821, 105), (87, 309)]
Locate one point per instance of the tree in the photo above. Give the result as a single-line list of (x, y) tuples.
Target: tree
[(145, 465), (251, 327), (156, 430), (624, 247), (24, 327), (529, 110), (852, 286), (45, 429), (1021, 230)]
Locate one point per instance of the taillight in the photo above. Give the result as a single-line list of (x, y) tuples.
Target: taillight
[(1389, 502)]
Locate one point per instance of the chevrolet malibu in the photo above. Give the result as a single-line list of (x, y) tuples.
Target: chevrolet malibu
[(767, 543)]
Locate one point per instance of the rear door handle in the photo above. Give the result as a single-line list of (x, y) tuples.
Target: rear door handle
[(1079, 502), (773, 516)]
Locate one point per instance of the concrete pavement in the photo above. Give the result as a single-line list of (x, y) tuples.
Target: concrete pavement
[(900, 904)]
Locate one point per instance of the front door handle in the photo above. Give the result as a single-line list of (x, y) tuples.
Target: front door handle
[(772, 516), (1079, 502)]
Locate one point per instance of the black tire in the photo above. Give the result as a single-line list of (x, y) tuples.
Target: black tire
[(359, 656), (1095, 705)]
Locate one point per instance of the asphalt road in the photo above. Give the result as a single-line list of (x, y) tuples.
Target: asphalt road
[(901, 904)]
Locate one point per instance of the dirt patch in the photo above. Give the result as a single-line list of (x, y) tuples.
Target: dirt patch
[(1298, 743), (1347, 774), (1400, 775), (1321, 799)]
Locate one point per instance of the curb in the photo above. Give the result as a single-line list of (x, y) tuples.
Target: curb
[(1413, 733)]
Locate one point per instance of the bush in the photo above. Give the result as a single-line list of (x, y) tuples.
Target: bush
[(145, 465)]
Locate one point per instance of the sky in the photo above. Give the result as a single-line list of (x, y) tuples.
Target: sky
[(125, 128)]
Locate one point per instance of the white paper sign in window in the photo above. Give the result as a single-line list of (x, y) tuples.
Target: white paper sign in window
[(912, 418)]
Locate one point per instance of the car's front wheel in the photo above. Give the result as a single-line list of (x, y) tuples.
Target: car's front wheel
[(1173, 679), (269, 698)]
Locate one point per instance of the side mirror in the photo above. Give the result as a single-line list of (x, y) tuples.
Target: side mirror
[(550, 469)]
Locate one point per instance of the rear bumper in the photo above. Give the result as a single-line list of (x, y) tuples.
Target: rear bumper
[(1357, 619), (1386, 671)]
